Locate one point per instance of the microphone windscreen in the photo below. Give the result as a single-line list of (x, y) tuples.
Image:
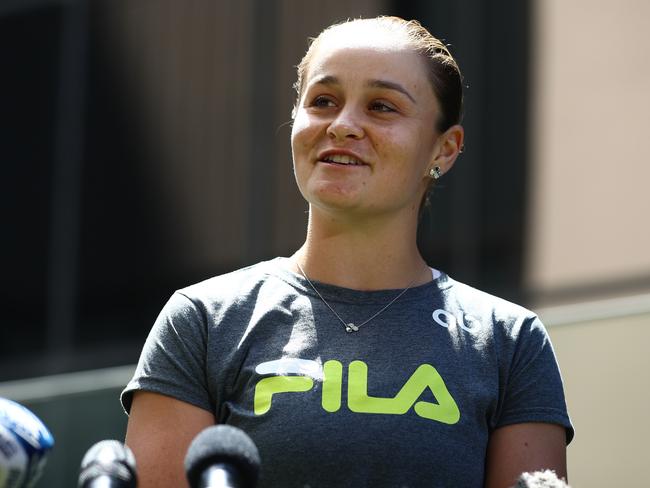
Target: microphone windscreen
[(540, 479), (110, 459), (223, 444)]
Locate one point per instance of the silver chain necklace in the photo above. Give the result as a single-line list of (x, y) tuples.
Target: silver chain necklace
[(350, 326)]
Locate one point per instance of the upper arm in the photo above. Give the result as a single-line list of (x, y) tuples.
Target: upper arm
[(514, 449), (159, 431)]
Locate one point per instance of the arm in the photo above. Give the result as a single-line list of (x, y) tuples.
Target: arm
[(514, 449), (159, 431)]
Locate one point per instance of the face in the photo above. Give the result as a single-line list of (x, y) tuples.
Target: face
[(364, 136)]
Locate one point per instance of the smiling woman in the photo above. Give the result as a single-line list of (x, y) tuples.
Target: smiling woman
[(352, 362), (367, 105)]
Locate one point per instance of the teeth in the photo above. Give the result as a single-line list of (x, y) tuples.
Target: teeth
[(342, 159)]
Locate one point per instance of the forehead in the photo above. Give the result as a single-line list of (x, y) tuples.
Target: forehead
[(365, 33), (358, 58)]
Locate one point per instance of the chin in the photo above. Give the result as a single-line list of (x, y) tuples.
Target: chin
[(333, 205), (333, 196)]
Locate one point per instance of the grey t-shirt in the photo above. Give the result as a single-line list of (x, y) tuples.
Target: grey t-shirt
[(407, 401)]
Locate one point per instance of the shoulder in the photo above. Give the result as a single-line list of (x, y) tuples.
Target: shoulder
[(235, 282), (470, 299), (493, 314), (244, 285), (511, 334)]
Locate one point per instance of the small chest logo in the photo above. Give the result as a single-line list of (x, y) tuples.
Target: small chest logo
[(447, 320)]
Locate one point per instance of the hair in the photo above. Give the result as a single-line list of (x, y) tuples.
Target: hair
[(443, 71)]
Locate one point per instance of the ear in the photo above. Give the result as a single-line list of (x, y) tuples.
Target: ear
[(447, 148)]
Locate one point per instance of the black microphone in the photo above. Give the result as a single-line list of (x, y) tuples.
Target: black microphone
[(222, 456), (108, 464)]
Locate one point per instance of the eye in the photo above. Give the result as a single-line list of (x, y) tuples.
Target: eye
[(322, 101), (378, 106)]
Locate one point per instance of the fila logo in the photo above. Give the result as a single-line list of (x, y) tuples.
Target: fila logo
[(298, 375)]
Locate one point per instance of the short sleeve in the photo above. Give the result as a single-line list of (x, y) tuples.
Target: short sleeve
[(533, 390), (173, 359)]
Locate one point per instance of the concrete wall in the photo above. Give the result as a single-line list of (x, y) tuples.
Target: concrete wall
[(589, 221), (589, 225), (602, 351)]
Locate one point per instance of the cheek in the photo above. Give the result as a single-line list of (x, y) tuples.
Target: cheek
[(303, 133), (401, 150), (408, 155), (301, 142)]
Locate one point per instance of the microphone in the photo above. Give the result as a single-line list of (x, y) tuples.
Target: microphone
[(108, 464), (222, 456), (24, 444), (540, 479)]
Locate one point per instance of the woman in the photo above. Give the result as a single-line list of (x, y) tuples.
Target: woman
[(352, 363)]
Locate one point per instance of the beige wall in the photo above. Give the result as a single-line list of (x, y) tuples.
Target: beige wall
[(590, 223), (590, 219), (606, 369)]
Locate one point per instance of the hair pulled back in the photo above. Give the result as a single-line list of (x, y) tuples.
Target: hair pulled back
[(443, 71)]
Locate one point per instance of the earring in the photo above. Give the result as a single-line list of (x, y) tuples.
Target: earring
[(435, 172)]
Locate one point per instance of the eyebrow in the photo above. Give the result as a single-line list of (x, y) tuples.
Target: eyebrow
[(389, 85)]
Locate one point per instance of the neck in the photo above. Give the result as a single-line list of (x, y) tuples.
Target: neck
[(362, 255)]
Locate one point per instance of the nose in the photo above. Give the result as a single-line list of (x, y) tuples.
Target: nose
[(345, 125)]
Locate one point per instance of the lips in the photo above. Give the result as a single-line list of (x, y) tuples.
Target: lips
[(341, 158)]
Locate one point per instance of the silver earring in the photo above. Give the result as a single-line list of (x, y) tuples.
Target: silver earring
[(435, 173)]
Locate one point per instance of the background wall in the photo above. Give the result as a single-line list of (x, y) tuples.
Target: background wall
[(589, 224), (601, 348), (589, 210)]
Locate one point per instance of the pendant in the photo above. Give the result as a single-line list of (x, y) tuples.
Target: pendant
[(351, 327)]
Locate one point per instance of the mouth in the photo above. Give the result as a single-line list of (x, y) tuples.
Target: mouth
[(341, 160)]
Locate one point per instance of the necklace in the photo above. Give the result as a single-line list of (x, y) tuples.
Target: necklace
[(351, 326)]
